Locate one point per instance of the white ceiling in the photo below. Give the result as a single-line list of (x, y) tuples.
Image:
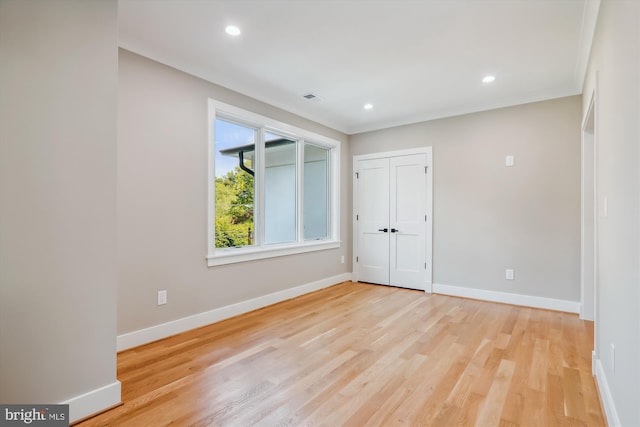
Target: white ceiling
[(413, 60)]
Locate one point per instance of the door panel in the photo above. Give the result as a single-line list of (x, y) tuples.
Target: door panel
[(407, 215), (373, 215)]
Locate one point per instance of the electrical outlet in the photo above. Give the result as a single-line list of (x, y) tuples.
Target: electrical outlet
[(342, 259), (162, 297), (613, 358), (508, 161), (509, 274)]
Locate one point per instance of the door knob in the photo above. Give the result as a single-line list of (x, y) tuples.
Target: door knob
[(383, 229), (393, 230)]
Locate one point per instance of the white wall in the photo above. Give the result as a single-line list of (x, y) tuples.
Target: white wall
[(162, 202), (615, 60), (58, 86), (488, 217)]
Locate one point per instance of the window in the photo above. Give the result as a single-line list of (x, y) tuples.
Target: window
[(273, 188), (234, 184), (316, 192), (280, 192)]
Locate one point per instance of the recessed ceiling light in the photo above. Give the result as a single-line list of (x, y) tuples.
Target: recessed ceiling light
[(232, 30), (368, 106), (488, 79)]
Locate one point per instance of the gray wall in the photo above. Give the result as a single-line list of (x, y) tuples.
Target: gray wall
[(488, 217), (58, 86), (616, 58), (162, 202)]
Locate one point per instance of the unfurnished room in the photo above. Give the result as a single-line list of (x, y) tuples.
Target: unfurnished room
[(320, 213)]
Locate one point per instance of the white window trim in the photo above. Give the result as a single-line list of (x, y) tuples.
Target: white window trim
[(221, 256)]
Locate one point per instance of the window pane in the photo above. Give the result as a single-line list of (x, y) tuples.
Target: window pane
[(316, 192), (235, 187), (279, 189)]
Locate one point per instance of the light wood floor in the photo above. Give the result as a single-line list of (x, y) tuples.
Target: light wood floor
[(365, 355)]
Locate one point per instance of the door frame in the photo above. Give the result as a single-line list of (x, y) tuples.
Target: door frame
[(589, 220), (428, 152)]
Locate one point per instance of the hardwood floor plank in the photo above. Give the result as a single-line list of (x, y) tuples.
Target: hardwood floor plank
[(537, 374), (533, 413), (574, 403), (364, 355), (491, 409), (394, 397)]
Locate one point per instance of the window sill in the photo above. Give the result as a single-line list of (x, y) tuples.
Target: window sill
[(235, 255)]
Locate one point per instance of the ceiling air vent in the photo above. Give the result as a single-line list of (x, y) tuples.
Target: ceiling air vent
[(310, 96)]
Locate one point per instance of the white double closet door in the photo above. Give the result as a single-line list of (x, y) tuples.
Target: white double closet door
[(393, 220)]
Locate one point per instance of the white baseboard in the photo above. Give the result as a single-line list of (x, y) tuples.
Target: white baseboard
[(428, 287), (94, 401), (508, 298), (164, 330), (605, 396)]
